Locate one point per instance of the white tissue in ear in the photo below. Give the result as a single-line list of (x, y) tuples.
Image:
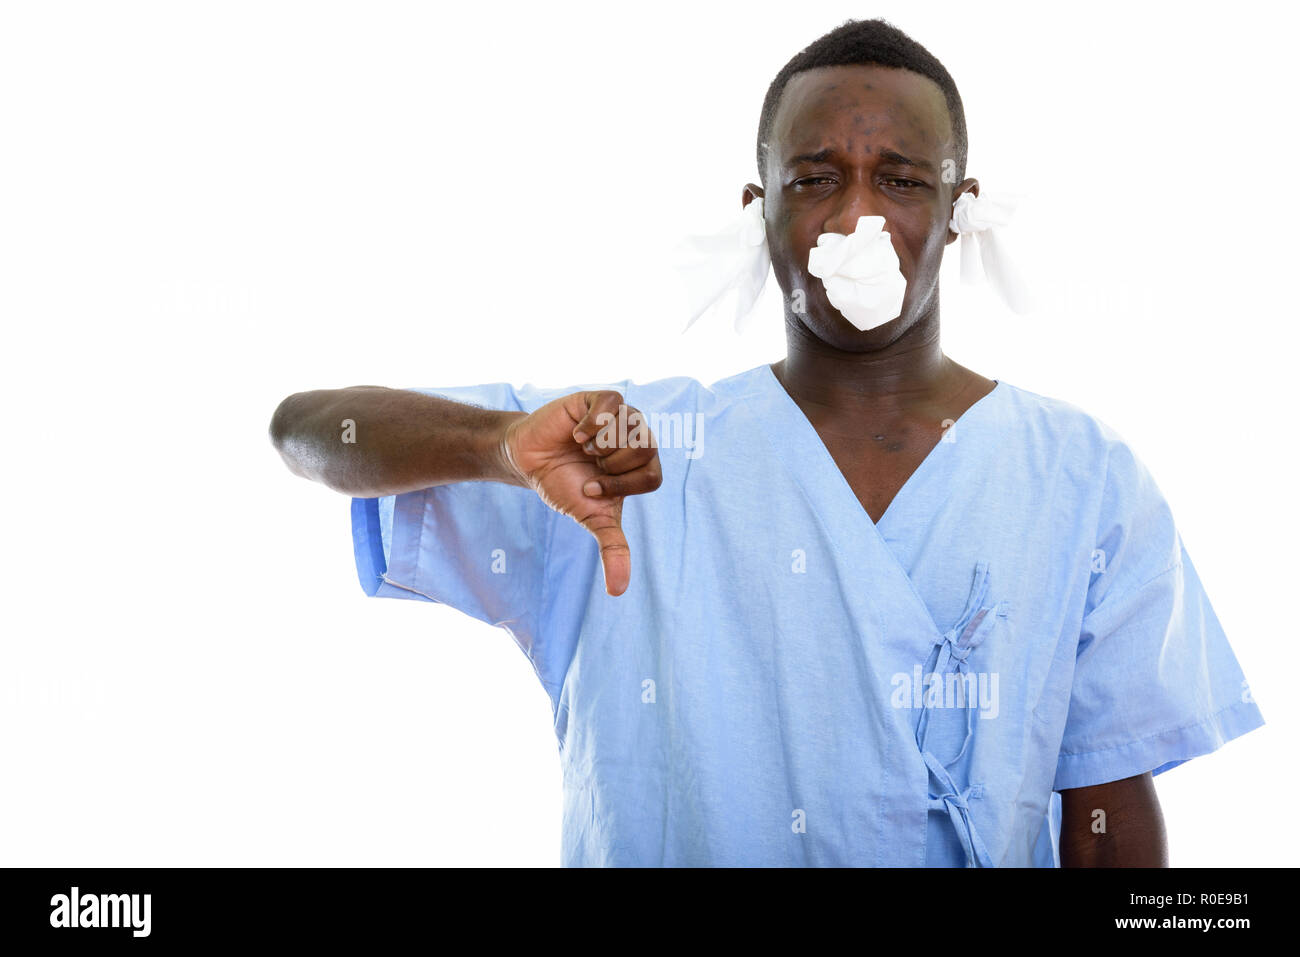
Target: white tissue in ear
[(735, 258), (861, 273)]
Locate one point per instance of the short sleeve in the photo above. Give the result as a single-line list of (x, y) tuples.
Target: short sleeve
[(1155, 681), (480, 547)]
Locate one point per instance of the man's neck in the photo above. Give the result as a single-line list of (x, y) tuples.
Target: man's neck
[(908, 375)]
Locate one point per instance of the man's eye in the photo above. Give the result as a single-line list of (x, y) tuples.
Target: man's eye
[(892, 180)]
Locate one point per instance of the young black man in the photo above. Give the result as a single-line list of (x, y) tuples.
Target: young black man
[(884, 610)]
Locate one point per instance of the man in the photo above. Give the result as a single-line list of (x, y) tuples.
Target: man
[(863, 606)]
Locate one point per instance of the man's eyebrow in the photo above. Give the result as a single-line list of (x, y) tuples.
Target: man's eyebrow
[(901, 160), (891, 156), (820, 156)]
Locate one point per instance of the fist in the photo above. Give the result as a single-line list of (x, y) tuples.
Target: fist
[(574, 454)]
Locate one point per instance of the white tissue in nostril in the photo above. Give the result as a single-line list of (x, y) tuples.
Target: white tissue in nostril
[(861, 273)]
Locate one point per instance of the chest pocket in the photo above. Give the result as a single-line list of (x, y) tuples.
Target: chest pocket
[(952, 694)]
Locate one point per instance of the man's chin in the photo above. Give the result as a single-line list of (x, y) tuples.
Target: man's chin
[(862, 332), (835, 330)]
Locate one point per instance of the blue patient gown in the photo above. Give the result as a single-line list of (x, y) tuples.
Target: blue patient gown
[(786, 682)]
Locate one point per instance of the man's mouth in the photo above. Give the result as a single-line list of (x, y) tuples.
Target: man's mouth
[(861, 273)]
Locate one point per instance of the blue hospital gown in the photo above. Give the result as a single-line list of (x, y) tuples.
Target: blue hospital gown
[(786, 682)]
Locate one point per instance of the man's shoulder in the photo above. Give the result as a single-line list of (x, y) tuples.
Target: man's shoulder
[(1092, 452), (1053, 421)]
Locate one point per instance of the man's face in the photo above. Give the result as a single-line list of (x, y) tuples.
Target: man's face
[(851, 141)]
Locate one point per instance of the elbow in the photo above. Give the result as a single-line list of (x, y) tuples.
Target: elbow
[(278, 430), (283, 421), (285, 424)]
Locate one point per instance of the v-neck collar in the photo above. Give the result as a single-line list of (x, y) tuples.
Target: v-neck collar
[(809, 455)]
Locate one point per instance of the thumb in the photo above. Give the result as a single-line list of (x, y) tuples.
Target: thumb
[(615, 556)]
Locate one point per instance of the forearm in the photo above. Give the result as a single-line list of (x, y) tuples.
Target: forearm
[(1119, 824), (369, 441)]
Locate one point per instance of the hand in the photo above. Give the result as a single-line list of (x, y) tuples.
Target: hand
[(568, 452)]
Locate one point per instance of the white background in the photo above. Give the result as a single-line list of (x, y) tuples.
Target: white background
[(209, 206)]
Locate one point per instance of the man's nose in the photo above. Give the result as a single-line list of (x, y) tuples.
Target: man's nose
[(855, 201)]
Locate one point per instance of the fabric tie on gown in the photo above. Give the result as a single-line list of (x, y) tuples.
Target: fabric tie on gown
[(951, 651)]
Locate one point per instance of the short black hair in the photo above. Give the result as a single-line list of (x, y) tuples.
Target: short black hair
[(867, 42)]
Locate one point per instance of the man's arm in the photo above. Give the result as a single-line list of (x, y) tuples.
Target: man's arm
[(369, 441), (1129, 831)]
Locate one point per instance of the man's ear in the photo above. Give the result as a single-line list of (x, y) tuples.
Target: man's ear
[(750, 193), (967, 185)]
